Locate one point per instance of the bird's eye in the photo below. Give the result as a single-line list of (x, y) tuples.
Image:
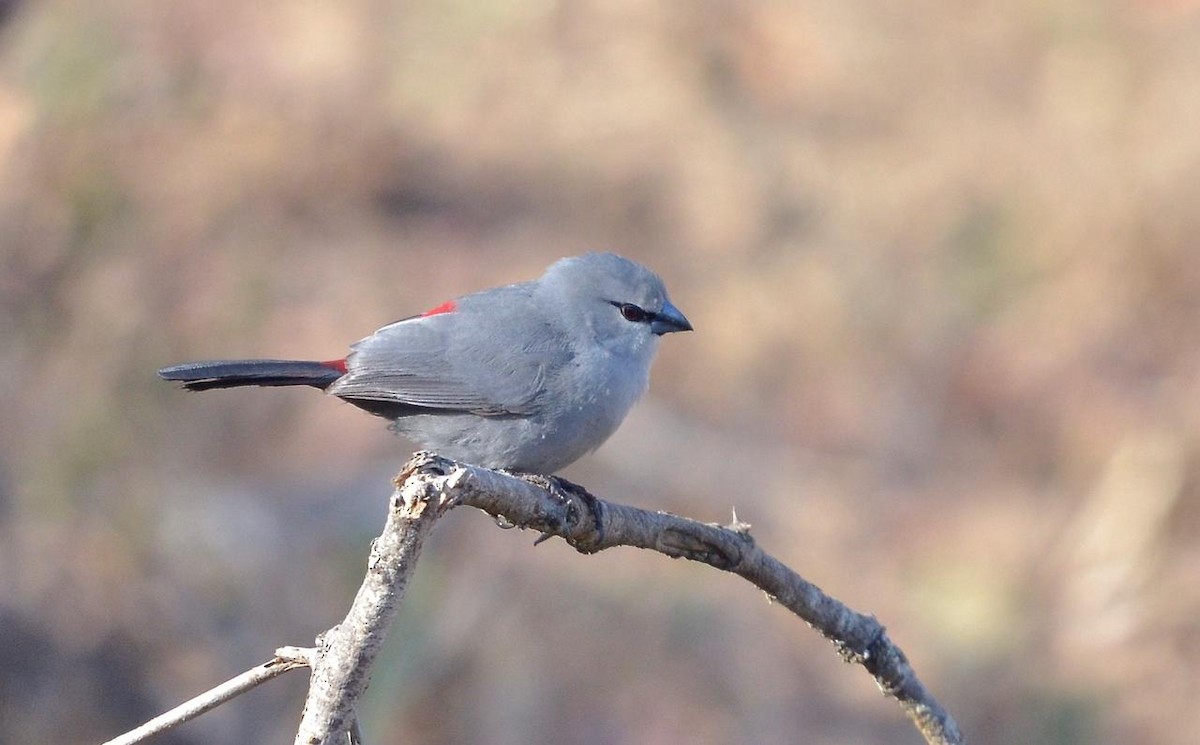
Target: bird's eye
[(632, 313)]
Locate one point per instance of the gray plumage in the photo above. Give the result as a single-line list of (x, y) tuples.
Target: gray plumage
[(527, 377)]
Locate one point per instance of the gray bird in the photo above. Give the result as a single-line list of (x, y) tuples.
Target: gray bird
[(527, 377)]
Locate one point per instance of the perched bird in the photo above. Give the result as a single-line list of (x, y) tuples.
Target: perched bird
[(528, 377)]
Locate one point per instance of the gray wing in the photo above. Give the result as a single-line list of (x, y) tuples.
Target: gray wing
[(465, 361)]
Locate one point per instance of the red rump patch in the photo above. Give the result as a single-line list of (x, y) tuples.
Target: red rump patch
[(447, 307), (339, 365)]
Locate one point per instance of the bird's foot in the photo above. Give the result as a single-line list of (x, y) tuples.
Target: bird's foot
[(562, 491)]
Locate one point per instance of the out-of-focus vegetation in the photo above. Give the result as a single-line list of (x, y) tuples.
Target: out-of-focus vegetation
[(942, 261)]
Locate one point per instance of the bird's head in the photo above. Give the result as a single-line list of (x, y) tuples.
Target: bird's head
[(618, 302)]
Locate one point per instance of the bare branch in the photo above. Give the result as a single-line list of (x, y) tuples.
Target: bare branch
[(430, 485), (345, 653), (287, 658), (589, 525), (557, 507)]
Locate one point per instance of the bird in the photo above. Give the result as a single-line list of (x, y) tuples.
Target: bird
[(527, 377)]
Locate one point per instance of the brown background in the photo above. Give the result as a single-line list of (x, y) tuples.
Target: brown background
[(941, 258)]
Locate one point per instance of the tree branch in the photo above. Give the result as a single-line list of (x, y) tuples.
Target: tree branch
[(345, 653), (429, 485), (286, 658), (590, 525)]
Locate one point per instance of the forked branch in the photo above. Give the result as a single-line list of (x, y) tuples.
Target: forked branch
[(430, 485), (555, 507)]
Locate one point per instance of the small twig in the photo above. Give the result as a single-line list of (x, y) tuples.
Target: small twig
[(286, 658)]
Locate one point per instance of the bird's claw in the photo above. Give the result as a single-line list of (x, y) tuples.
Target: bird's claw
[(562, 491)]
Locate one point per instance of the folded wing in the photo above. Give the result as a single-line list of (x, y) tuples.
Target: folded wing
[(452, 362)]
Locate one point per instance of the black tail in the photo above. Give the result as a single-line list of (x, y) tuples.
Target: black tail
[(203, 376)]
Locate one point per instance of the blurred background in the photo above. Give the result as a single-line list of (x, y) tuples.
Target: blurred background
[(942, 262)]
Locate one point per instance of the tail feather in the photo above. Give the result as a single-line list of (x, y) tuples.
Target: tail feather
[(203, 376)]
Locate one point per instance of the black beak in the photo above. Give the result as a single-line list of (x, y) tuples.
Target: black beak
[(669, 320)]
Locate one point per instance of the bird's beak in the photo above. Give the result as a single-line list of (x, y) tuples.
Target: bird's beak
[(669, 320)]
